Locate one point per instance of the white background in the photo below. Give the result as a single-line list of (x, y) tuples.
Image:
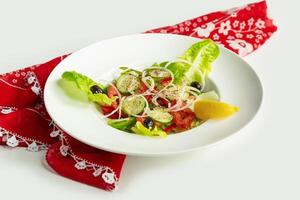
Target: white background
[(261, 162)]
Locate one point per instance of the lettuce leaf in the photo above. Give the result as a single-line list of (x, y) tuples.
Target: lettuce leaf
[(201, 54), (84, 83), (140, 129), (123, 125), (102, 99), (179, 69)]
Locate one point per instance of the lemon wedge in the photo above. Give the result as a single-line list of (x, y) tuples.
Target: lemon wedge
[(211, 109)]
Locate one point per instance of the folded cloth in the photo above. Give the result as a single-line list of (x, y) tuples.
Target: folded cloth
[(24, 121)]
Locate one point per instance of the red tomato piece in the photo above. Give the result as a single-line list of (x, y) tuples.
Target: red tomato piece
[(183, 119), (140, 119), (108, 109), (170, 128), (149, 98), (173, 102), (111, 92), (114, 104), (165, 81), (143, 87), (162, 102)]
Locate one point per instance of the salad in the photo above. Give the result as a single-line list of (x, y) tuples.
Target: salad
[(167, 97)]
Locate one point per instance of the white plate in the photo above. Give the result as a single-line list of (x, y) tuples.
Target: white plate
[(236, 81)]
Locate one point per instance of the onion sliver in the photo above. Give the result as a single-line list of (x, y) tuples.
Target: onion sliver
[(113, 112), (151, 86), (116, 89), (183, 107)]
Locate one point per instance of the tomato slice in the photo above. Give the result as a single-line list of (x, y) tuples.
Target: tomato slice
[(165, 81), (149, 98), (173, 102), (111, 92), (162, 102), (143, 87), (140, 119), (184, 118), (108, 109), (170, 128)]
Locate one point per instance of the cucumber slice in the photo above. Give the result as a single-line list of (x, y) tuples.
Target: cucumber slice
[(174, 93), (133, 105), (159, 73), (160, 115), (127, 83)]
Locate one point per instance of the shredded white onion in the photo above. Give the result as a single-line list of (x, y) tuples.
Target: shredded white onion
[(183, 107), (164, 68), (193, 89), (159, 93), (151, 86), (147, 106), (120, 107), (118, 93), (150, 83), (154, 100), (175, 106), (120, 113), (113, 112), (144, 73), (189, 102), (179, 101), (193, 94)]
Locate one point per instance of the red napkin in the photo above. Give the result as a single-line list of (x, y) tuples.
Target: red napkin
[(24, 122)]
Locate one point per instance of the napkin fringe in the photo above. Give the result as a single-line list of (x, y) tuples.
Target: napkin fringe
[(107, 174), (12, 139)]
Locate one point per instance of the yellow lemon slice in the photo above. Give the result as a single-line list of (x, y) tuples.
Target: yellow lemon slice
[(211, 109)]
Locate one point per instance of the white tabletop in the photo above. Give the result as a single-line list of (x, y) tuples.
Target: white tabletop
[(261, 162)]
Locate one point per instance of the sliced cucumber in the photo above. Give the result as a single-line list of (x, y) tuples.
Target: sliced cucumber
[(160, 115), (133, 105), (159, 73), (174, 93), (127, 83)]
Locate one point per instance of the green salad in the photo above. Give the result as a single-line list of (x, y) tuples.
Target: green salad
[(160, 99)]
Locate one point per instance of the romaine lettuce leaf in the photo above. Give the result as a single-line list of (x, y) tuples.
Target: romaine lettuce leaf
[(201, 54), (179, 70), (140, 129), (84, 83)]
